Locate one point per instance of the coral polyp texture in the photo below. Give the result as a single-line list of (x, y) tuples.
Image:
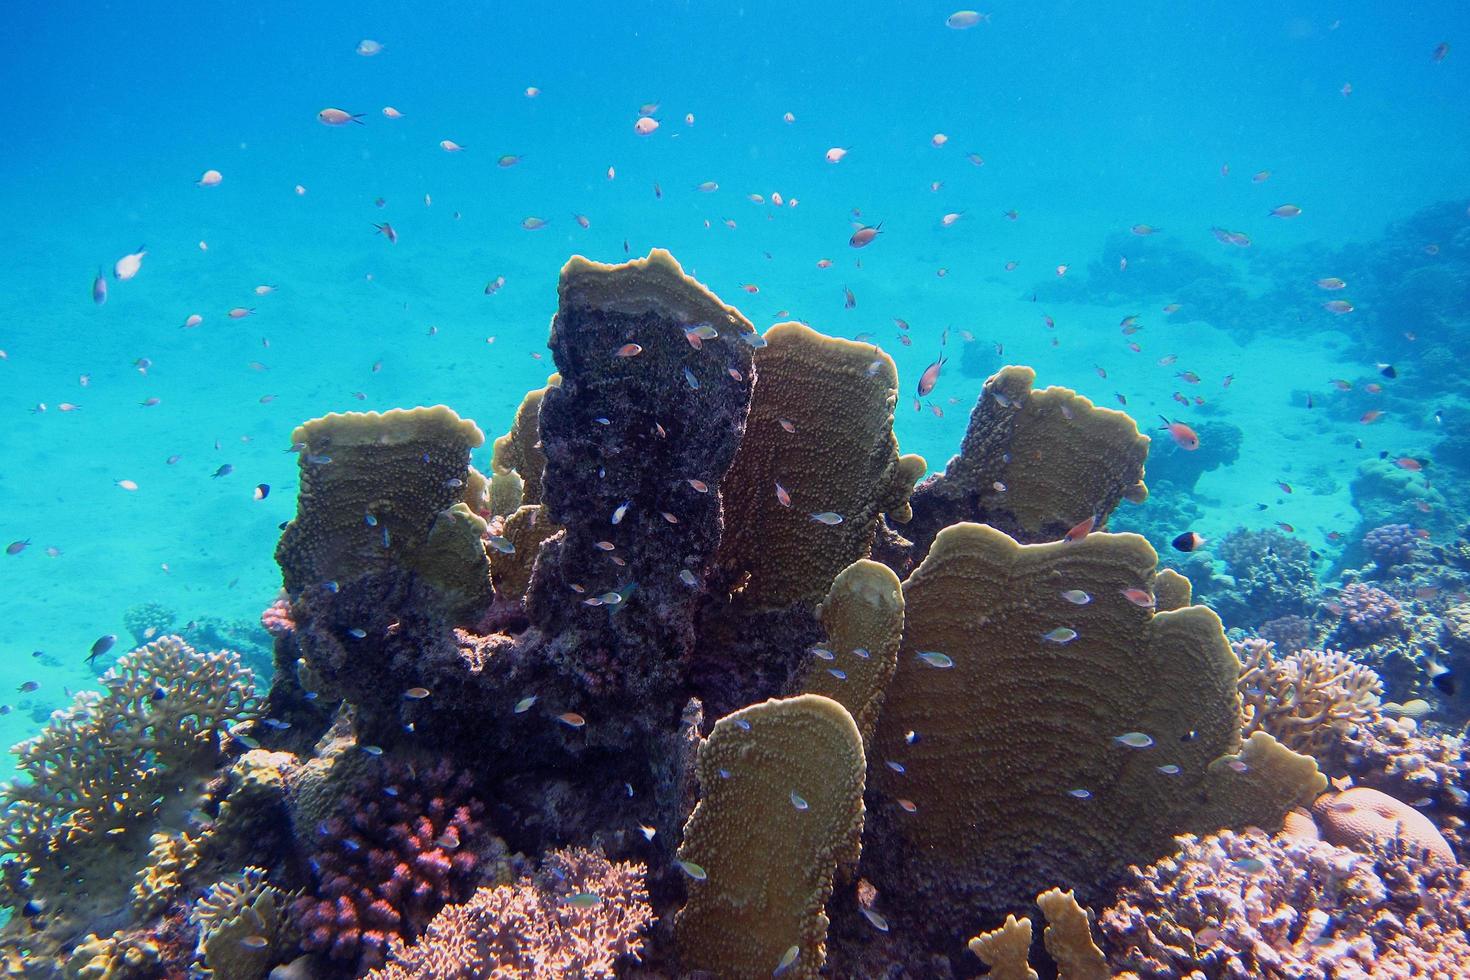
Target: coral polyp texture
[(373, 487), (1033, 464), (398, 846), (817, 467), (1367, 614), (1244, 905), (781, 807), (1029, 740), (1390, 544), (580, 916)]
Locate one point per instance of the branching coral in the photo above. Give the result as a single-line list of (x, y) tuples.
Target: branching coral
[(1309, 699), (1367, 614), (578, 918), (1248, 907), (106, 765)]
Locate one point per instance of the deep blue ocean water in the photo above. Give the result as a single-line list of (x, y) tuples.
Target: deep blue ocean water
[(1089, 119)]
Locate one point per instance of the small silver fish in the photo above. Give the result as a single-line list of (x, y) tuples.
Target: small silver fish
[(1060, 635), (1134, 740), (936, 659)]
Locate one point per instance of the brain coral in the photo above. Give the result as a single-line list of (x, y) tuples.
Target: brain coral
[(1028, 738), (1359, 817), (781, 806), (1249, 907), (578, 918)]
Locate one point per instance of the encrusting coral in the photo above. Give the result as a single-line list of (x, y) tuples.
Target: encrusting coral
[(1307, 700), (578, 917), (781, 807), (817, 466), (1046, 725)]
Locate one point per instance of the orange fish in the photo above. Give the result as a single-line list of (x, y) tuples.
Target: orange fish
[(1184, 437), (1081, 530), (782, 496), (1369, 416), (930, 377), (1408, 463), (865, 234), (1285, 487), (1286, 527)]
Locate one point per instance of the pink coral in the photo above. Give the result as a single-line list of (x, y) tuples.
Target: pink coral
[(1359, 816), (577, 918), (1245, 905), (276, 618), (395, 851)]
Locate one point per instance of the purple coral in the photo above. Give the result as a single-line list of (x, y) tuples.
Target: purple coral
[(1367, 614), (1390, 544), (1289, 908), (397, 848)]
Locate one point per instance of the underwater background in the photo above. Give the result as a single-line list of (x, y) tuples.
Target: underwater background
[(1253, 219)]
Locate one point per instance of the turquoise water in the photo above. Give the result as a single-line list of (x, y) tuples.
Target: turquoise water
[(1088, 122)]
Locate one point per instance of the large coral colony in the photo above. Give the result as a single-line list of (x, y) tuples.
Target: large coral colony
[(700, 680)]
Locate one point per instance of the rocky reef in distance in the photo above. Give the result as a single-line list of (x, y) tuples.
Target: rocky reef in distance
[(703, 680)]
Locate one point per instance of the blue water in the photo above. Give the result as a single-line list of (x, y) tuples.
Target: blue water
[(1088, 119)]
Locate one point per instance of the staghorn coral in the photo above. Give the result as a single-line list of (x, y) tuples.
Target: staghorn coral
[(400, 844), (1366, 614), (1248, 907), (240, 925), (863, 617), (821, 427), (1033, 464), (1004, 772), (372, 489), (1390, 544), (623, 437), (578, 918), (781, 807), (1359, 817), (1307, 700)]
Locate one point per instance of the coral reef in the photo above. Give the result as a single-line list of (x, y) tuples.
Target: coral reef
[(110, 771), (1272, 577), (818, 441), (401, 843), (781, 807), (1307, 700), (1288, 633), (373, 487), (1244, 905), (1360, 817), (578, 918)]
